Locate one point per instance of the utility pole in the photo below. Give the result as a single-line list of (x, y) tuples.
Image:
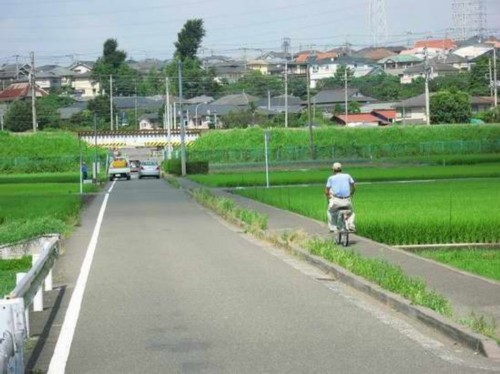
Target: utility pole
[(427, 101), (495, 85), (111, 101), (490, 78), (183, 143), (33, 91), (17, 67), (311, 140), (168, 114), (345, 95), (286, 45)]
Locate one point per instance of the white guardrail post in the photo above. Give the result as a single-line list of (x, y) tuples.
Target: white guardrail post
[(14, 323)]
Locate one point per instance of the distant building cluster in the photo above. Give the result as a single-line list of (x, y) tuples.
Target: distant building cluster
[(442, 57)]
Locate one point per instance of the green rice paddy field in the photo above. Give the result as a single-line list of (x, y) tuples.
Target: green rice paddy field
[(28, 210), (460, 211)]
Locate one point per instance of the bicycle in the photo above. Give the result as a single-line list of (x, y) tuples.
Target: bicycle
[(342, 233)]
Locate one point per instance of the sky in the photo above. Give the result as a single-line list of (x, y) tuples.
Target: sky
[(62, 31)]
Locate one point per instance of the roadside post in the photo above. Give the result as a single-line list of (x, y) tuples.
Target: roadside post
[(267, 138)]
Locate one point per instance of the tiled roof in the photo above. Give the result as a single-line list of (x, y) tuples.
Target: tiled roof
[(400, 58), (18, 91), (359, 117), (435, 65), (237, 99), (436, 43), (386, 113)]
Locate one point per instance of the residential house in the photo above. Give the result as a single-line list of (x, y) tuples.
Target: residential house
[(67, 112), (53, 77), (149, 121), (259, 65), (473, 52), (293, 105), (481, 103), (373, 53), (145, 66), (436, 67), (230, 71), (412, 110), (327, 99), (359, 120), (82, 81), (20, 91), (326, 68), (396, 64), (431, 47), (241, 100), (454, 60), (10, 73)]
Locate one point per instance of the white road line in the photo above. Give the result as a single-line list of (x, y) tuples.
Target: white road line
[(61, 352)]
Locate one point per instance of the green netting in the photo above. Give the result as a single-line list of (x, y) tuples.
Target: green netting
[(352, 151)]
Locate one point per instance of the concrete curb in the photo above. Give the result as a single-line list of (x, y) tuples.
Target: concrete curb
[(459, 333), (462, 334)]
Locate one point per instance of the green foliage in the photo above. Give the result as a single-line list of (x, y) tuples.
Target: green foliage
[(483, 262), (418, 213), (44, 152), (450, 107), (247, 145), (8, 270), (479, 80), (173, 166), (100, 105), (30, 210), (256, 84), (387, 276), (189, 39), (197, 167), (112, 63), (251, 220), (363, 174), (19, 117), (197, 81)]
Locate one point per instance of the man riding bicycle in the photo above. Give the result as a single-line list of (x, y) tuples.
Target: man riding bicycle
[(339, 189)]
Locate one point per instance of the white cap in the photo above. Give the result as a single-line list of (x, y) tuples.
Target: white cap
[(337, 166)]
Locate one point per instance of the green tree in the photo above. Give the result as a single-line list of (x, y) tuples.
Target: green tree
[(479, 77), (19, 117), (450, 107), (101, 106), (112, 63), (452, 82), (257, 84), (189, 39)]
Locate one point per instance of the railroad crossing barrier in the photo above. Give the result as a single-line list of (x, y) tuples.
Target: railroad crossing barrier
[(14, 308), (149, 138)]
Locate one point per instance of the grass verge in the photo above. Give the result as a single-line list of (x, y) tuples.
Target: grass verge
[(483, 262), (8, 270), (387, 276)]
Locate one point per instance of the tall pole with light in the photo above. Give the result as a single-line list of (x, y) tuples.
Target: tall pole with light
[(427, 99), (182, 127)]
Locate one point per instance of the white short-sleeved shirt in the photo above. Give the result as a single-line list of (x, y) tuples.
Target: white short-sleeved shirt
[(340, 184)]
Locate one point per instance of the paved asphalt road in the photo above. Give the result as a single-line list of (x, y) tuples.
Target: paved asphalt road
[(173, 289)]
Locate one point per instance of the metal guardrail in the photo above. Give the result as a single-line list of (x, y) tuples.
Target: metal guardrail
[(14, 322)]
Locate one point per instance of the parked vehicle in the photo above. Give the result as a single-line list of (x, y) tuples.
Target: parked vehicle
[(119, 168), (149, 168), (135, 166)]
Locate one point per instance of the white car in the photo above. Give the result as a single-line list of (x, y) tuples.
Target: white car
[(149, 168)]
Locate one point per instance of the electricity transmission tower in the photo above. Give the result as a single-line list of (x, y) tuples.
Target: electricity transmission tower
[(378, 22), (469, 18)]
